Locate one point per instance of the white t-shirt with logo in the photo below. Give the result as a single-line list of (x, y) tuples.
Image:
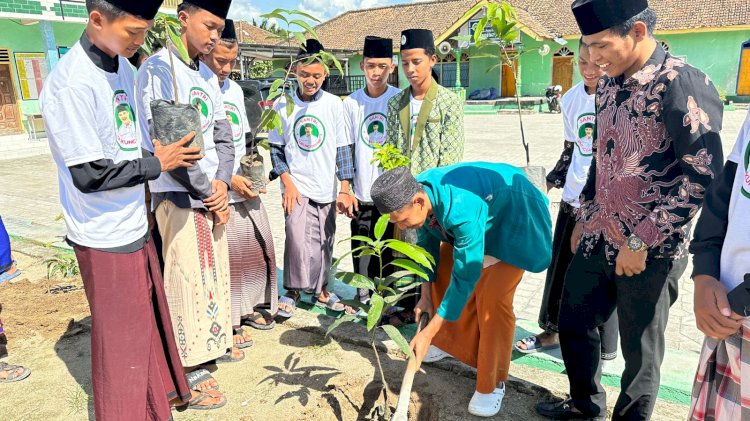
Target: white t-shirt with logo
[(89, 115), (579, 117), (415, 106), (311, 136), (234, 105), (735, 253), (200, 87), (366, 123)]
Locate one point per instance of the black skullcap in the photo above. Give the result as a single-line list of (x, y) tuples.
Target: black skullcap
[(312, 46), (594, 16), (376, 47), (394, 189), (417, 38), (229, 32), (220, 8), (144, 9)]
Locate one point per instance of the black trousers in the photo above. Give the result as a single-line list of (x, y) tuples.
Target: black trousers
[(553, 286), (364, 224), (591, 293)]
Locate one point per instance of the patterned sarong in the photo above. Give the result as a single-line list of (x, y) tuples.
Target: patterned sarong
[(196, 280), (721, 391)]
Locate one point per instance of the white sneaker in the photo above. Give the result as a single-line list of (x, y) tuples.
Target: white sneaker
[(435, 354), (487, 405)]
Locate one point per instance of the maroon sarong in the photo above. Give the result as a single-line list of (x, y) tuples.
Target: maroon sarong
[(135, 365)]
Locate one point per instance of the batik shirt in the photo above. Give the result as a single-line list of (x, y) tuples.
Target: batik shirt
[(657, 150)]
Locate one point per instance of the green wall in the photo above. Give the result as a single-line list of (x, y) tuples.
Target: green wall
[(28, 39), (715, 53)]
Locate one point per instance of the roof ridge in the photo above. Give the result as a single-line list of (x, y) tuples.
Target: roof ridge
[(391, 6)]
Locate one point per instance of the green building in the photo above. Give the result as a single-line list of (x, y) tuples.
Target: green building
[(710, 37), (34, 34)]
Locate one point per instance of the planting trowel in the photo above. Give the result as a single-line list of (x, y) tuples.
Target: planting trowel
[(404, 397)]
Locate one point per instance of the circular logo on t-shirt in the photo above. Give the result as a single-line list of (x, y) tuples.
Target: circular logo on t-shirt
[(372, 130), (586, 131), (309, 132), (127, 140), (200, 98), (746, 180), (235, 120)]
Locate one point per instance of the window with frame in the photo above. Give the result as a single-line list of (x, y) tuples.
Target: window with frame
[(446, 70)]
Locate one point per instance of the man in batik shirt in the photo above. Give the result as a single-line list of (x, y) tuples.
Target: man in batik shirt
[(656, 151)]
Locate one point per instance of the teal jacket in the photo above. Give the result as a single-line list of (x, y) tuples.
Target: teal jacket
[(483, 208)]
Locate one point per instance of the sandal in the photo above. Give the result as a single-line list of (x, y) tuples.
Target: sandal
[(195, 401), (230, 358), (252, 321), (12, 373), (533, 344), (331, 304), (248, 342), (5, 276), (291, 298), (196, 377)]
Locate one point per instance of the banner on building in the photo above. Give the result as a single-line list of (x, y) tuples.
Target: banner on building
[(32, 69)]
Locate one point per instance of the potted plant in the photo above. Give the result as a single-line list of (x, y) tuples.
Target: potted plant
[(385, 291), (171, 119), (503, 20)]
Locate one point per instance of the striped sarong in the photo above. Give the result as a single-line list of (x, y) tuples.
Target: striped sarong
[(252, 260), (721, 391)]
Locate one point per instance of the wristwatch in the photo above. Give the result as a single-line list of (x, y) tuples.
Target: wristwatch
[(636, 244)]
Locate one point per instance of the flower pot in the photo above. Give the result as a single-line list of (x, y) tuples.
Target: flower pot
[(172, 122), (254, 170)]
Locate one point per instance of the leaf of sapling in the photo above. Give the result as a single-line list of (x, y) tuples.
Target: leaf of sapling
[(275, 15), (304, 25), (411, 267), (355, 280), (492, 10), (376, 311), (300, 38), (362, 239), (277, 123), (179, 46), (289, 108), (411, 251), (381, 226), (480, 29), (304, 15), (276, 85), (399, 339)]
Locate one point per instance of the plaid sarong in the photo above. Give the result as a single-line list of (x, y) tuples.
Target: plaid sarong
[(721, 390)]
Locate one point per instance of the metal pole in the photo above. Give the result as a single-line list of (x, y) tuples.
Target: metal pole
[(457, 53)]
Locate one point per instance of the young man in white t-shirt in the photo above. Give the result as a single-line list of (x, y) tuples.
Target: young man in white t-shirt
[(88, 106), (191, 206), (570, 174), (252, 260), (365, 116), (721, 272), (308, 155)]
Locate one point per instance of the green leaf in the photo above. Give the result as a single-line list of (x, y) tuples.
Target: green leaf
[(381, 225), (276, 123), (304, 15), (289, 106), (480, 29), (336, 263), (416, 253), (300, 38), (376, 311), (362, 239), (411, 267), (179, 46), (336, 323), (391, 300), (304, 25), (276, 85), (492, 10), (474, 10), (464, 38), (399, 339), (355, 280), (273, 95), (275, 15)]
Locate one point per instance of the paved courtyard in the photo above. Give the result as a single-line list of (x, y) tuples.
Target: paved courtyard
[(30, 208)]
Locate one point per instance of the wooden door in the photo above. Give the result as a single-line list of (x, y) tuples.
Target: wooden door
[(508, 85), (562, 72), (10, 121), (743, 80)]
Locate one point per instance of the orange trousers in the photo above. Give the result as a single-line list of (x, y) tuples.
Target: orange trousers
[(483, 336)]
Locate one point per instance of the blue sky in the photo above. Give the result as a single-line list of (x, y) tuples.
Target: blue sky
[(322, 9)]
